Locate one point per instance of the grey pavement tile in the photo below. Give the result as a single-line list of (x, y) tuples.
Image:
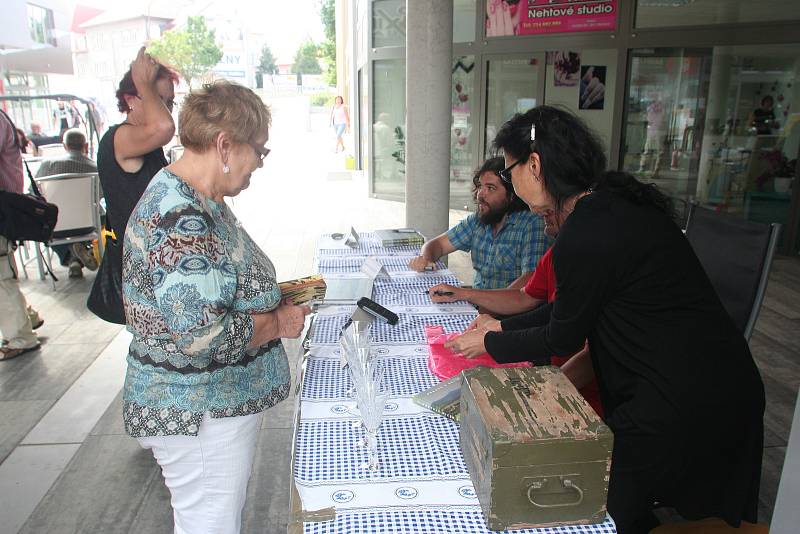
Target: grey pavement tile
[(46, 373), (89, 328), (771, 467), (155, 512), (102, 489), (16, 420), (110, 424), (280, 416), (267, 506), (779, 328), (26, 476), (782, 298), (50, 330)]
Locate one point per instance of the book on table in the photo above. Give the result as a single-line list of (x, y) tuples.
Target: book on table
[(304, 290), (445, 397), (400, 237)]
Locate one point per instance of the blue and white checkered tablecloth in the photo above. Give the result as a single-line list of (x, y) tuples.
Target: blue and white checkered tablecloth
[(345, 264), (410, 328), (366, 248), (433, 520), (419, 284), (326, 379), (422, 485), (423, 447)]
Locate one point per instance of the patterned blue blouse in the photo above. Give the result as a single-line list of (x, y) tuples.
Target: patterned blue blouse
[(191, 278)]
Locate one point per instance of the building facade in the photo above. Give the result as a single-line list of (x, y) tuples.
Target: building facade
[(103, 48), (697, 96), (34, 54)]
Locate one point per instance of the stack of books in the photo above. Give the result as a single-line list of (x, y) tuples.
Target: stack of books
[(400, 237), (304, 290)]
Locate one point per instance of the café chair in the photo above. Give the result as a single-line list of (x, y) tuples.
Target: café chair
[(736, 255), (77, 196), (52, 150)]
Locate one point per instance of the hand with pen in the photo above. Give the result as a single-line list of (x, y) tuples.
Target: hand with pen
[(443, 293)]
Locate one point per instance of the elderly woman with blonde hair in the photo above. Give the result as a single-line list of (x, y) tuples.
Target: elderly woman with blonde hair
[(205, 312)]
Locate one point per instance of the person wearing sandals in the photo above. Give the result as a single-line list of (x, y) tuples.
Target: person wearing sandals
[(16, 330), (206, 313), (128, 156)]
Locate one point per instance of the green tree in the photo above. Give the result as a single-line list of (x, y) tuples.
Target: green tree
[(305, 60), (327, 50), (192, 51), (267, 63)]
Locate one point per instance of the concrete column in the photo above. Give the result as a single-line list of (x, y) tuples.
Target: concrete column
[(429, 58)]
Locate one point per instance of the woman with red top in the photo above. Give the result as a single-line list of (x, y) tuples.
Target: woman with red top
[(540, 289)]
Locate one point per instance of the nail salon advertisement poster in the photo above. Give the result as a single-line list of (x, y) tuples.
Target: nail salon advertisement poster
[(532, 17)]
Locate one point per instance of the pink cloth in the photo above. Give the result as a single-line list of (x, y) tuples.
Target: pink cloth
[(445, 364)]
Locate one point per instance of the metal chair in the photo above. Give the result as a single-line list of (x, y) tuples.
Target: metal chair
[(77, 196), (52, 150), (736, 255)]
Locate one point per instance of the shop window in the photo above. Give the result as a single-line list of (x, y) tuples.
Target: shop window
[(512, 87), (720, 126), (670, 13), (389, 22), (463, 134), (389, 128), (463, 21), (40, 25)]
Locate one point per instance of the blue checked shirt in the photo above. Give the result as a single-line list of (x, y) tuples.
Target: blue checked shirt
[(500, 259)]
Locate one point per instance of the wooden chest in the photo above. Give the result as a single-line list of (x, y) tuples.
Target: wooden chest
[(537, 453)]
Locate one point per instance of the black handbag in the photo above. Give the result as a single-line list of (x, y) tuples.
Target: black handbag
[(105, 299), (26, 217)]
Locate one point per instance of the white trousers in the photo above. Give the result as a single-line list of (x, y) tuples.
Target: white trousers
[(207, 474), (15, 325)]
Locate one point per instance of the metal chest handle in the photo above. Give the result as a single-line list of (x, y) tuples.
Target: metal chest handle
[(567, 483)]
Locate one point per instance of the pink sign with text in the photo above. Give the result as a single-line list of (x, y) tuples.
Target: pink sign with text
[(531, 17)]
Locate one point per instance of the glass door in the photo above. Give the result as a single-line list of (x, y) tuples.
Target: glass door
[(665, 117), (514, 84)]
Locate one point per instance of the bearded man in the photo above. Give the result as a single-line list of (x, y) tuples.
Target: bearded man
[(504, 239)]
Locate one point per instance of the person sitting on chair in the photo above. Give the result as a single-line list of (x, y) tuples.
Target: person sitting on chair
[(77, 255), (506, 240)]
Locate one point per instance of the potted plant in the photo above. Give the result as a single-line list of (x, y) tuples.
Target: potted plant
[(780, 170)]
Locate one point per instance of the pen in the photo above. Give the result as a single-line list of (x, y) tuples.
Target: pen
[(440, 293)]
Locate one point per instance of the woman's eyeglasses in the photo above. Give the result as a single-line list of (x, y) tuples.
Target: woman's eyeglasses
[(261, 151), (505, 174)]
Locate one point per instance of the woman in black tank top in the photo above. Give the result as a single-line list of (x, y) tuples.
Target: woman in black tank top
[(129, 155)]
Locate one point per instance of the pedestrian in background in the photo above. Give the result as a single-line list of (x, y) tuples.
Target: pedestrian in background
[(15, 323)]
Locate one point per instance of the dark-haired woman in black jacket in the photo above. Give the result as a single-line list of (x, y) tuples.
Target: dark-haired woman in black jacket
[(679, 386)]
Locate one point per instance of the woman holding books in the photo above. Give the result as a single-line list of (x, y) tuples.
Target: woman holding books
[(679, 386), (205, 312)]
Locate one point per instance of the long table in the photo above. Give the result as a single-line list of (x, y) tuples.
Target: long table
[(422, 484)]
